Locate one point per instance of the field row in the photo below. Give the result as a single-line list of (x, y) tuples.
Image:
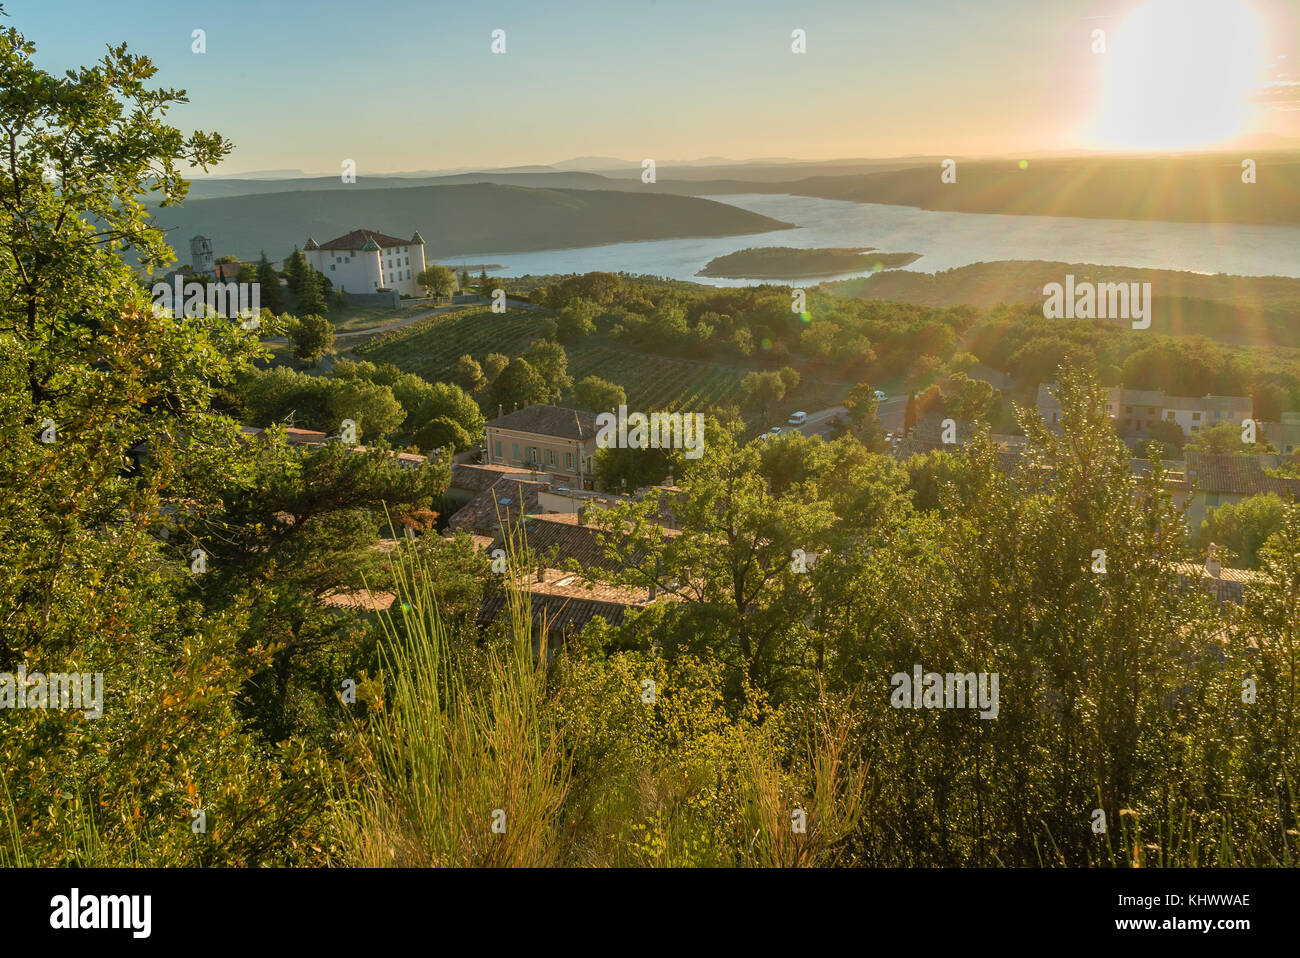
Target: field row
[(431, 348)]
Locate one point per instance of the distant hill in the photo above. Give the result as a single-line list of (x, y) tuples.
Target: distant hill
[(1200, 189), (1261, 310), (784, 262), (454, 220), (214, 188)]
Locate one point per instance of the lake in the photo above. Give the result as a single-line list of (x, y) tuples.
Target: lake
[(944, 240)]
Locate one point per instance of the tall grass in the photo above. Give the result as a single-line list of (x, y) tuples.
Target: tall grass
[(461, 764)]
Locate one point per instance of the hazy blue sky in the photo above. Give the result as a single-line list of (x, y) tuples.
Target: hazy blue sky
[(411, 84)]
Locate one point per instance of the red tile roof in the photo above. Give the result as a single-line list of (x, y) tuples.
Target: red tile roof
[(357, 239)]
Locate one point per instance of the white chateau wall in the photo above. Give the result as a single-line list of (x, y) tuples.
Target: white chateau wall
[(399, 269), (358, 271), (350, 270)]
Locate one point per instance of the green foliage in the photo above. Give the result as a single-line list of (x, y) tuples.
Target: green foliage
[(517, 385), (598, 395), (1242, 527), (312, 337), (311, 292), (269, 282), (437, 281)]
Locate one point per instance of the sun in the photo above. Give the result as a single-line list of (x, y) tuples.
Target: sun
[(1178, 74)]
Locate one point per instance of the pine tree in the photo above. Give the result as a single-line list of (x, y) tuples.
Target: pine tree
[(269, 281), (294, 269), (311, 298)]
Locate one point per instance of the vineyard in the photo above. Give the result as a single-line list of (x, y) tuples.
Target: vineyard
[(430, 349)]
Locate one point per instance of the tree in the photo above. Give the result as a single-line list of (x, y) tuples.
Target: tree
[(86, 578), (493, 363), (1164, 440), (437, 281), (373, 408), (518, 385), (862, 405), (311, 295), (294, 270), (624, 471), (1242, 527), (762, 390), (464, 280), (269, 283), (967, 398), (910, 414), (576, 321), (312, 337), (739, 597), (469, 374), (598, 395), (1226, 437), (483, 288), (789, 379), (551, 362)]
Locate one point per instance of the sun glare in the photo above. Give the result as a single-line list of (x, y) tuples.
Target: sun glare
[(1178, 75)]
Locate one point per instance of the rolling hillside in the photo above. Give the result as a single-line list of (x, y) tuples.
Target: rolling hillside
[(454, 220)]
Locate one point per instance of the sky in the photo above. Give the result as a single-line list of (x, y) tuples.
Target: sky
[(406, 85)]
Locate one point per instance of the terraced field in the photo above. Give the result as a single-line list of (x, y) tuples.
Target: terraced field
[(430, 349)]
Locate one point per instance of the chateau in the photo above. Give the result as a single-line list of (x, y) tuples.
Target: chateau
[(366, 261)]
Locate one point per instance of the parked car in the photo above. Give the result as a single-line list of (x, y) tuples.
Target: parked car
[(880, 395), (775, 431), (798, 419)]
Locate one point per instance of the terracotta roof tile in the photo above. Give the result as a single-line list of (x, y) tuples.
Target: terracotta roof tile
[(545, 420), (357, 239)]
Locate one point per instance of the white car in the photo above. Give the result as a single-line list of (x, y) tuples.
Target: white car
[(880, 396), (775, 431), (798, 419)]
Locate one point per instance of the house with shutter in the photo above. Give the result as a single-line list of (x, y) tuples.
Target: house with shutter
[(555, 440)]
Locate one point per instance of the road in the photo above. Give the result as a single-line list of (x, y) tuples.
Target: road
[(890, 412)]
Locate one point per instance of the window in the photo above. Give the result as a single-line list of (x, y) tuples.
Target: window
[(498, 448), (1169, 415), (514, 451), (1128, 409), (568, 460), (1218, 414), (550, 457), (1196, 416)]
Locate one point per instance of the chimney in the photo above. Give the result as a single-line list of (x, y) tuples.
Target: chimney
[(1212, 564)]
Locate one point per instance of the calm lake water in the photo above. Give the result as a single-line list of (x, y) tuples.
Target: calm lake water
[(944, 240)]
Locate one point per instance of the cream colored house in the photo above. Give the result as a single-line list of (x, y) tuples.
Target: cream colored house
[(551, 439)]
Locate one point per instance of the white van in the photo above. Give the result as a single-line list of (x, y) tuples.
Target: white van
[(798, 419)]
